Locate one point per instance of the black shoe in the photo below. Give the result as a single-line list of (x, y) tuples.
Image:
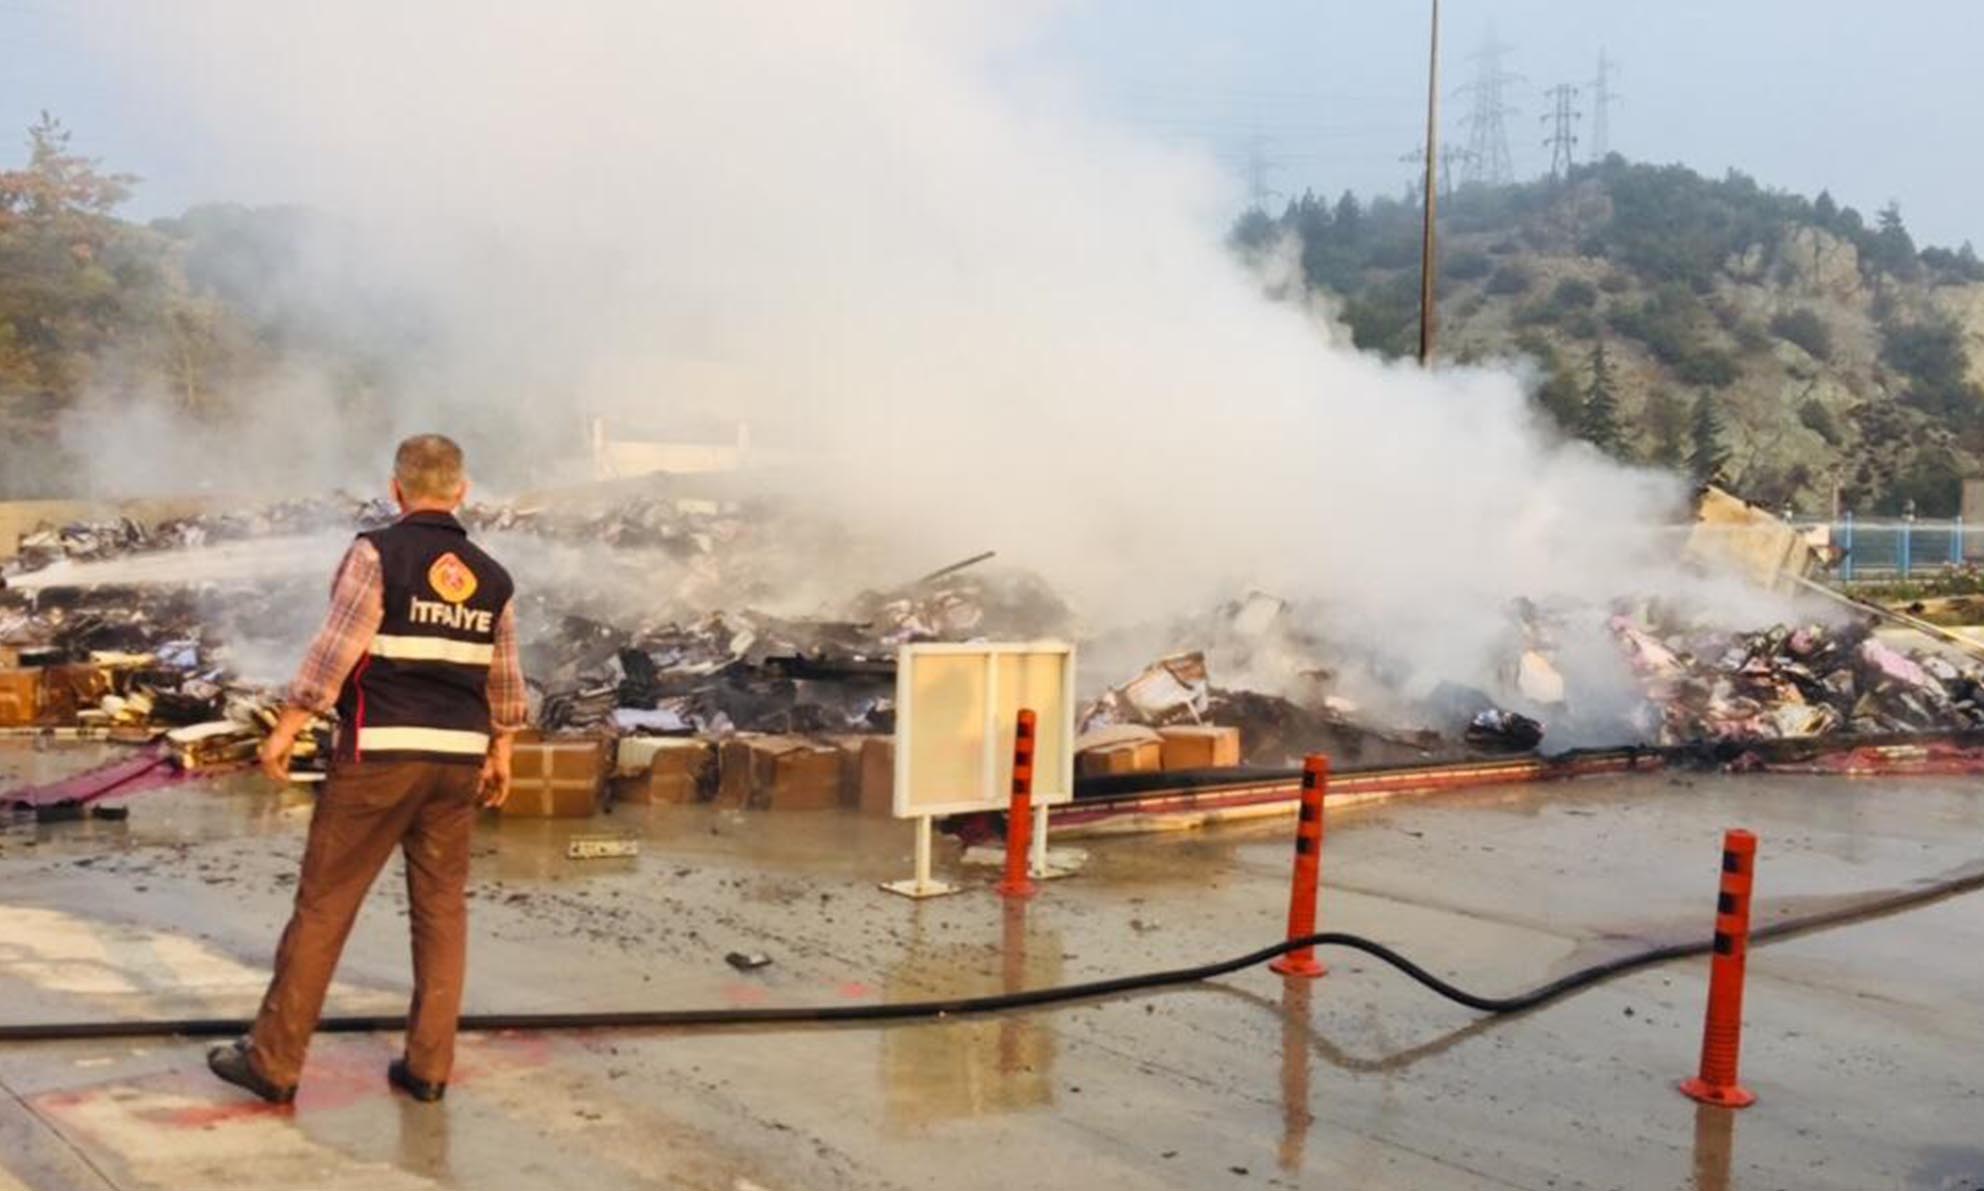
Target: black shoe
[(419, 1089), (231, 1063)]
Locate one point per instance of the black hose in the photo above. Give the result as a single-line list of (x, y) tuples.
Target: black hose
[(1091, 990)]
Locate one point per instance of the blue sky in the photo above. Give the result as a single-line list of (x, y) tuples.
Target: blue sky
[(1876, 102)]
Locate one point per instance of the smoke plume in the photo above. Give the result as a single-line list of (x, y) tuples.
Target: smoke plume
[(971, 315)]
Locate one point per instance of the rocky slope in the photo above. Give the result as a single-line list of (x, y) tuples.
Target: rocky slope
[(1780, 343)]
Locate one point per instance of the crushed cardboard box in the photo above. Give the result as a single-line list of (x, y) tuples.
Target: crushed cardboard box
[(779, 773), (680, 771)]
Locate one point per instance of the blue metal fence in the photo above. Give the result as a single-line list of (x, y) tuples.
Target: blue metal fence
[(1897, 547)]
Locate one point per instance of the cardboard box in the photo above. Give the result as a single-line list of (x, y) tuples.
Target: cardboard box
[(68, 690), (876, 789), (1200, 746), (1125, 748), (682, 770), (20, 697), (1144, 757), (850, 769), (557, 778), (779, 773)]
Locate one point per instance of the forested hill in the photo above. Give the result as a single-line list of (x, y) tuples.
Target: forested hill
[(1786, 345)]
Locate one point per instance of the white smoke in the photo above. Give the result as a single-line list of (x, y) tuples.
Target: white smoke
[(987, 319)]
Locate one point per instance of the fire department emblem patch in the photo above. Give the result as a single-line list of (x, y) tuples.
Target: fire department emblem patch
[(451, 579)]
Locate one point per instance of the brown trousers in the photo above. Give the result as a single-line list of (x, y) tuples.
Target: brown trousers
[(366, 810)]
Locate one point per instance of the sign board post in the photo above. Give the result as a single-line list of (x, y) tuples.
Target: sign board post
[(956, 709)]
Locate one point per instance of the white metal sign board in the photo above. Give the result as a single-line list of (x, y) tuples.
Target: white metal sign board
[(956, 707)]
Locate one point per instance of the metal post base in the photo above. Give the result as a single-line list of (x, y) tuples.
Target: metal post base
[(921, 885), (914, 888)]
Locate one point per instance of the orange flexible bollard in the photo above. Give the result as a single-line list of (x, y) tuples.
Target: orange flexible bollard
[(1308, 870), (1722, 1028), (1019, 817)]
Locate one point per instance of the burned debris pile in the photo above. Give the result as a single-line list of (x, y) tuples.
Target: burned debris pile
[(1271, 730), (1794, 683), (649, 618), (618, 641), (89, 541)]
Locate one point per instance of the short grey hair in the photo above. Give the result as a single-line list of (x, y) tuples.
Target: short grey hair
[(429, 467)]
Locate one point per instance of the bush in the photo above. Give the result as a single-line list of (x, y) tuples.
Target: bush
[(1396, 252), (1750, 336), (1668, 323), (1615, 282), (1385, 317), (1535, 314), (1707, 366), (1509, 279), (1819, 420), (1805, 328), (1932, 356), (1573, 294), (1468, 266)]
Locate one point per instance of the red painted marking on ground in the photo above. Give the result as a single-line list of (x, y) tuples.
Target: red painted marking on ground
[(339, 1073), (854, 990), (745, 994)]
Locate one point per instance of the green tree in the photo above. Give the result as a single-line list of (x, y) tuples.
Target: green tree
[(1349, 218), (1254, 229), (1667, 420), (1891, 248), (64, 263), (1706, 456), (58, 184), (1598, 421)]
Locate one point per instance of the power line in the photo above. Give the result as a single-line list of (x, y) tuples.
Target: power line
[(1449, 154), (1488, 113), (1563, 139), (1602, 96)]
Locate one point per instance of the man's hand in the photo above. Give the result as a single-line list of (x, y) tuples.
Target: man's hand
[(496, 772), (276, 748), (281, 742)]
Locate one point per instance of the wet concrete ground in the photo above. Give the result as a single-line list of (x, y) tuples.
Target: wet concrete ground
[(1863, 1043)]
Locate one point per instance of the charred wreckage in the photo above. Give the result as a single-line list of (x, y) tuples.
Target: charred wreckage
[(160, 661)]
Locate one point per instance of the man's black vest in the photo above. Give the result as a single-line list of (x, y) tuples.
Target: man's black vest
[(421, 692)]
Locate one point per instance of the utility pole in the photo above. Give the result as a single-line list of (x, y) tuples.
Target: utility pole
[(1487, 128), (1602, 96), (1563, 139), (1429, 257)]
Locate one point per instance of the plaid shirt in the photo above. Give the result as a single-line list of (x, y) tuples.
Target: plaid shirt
[(358, 605)]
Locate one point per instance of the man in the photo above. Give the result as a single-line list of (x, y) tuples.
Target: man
[(419, 656)]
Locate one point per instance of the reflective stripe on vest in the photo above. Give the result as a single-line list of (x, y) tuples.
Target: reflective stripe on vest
[(422, 740), (433, 649)]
